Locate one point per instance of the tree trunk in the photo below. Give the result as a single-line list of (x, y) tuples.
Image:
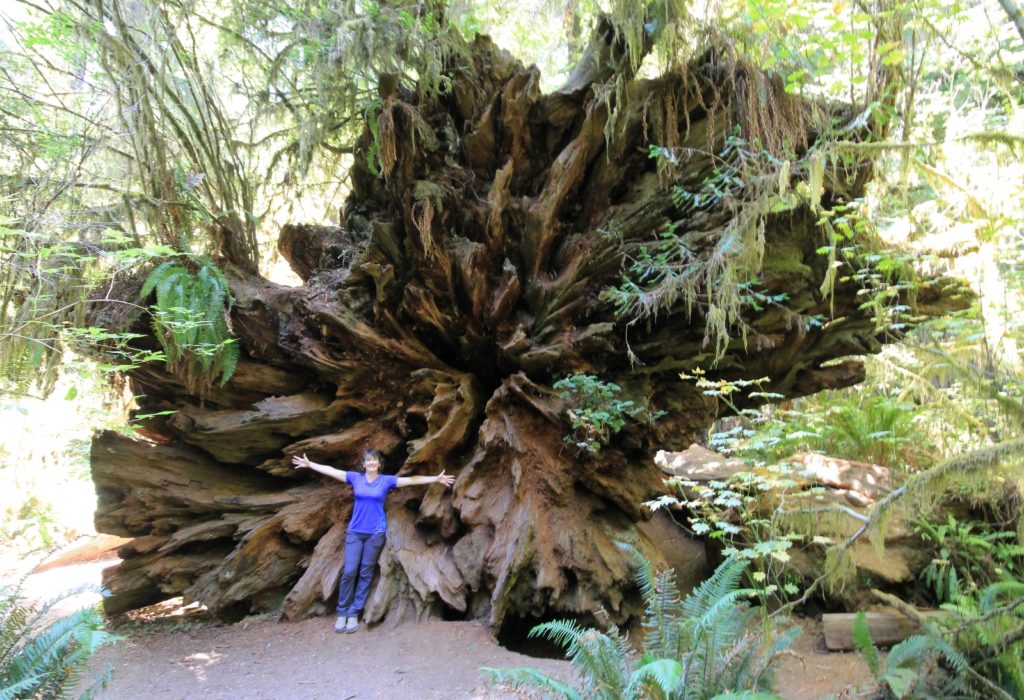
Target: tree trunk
[(467, 282)]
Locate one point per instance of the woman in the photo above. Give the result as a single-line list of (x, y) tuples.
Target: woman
[(366, 528)]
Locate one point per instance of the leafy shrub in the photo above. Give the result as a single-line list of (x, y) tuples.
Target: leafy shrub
[(45, 660), (696, 648), (595, 411)]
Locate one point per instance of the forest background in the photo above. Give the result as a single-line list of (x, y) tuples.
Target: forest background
[(251, 126)]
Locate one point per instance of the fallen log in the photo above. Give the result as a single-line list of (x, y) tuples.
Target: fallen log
[(861, 482), (837, 493), (886, 628)]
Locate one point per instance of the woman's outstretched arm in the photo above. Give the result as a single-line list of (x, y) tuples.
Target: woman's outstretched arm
[(304, 462), (441, 478)]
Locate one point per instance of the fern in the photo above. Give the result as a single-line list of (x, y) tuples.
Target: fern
[(921, 666), (39, 660), (862, 642), (191, 313), (912, 670), (764, 666), (908, 653), (663, 606), (601, 659), (725, 579), (664, 674), (990, 597), (694, 648), (723, 611), (525, 678), (990, 633)]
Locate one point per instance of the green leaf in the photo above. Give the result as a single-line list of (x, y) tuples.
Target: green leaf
[(529, 677), (666, 673), (862, 641), (901, 681)]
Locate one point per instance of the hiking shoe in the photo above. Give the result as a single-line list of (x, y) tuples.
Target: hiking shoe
[(352, 625), (340, 623)]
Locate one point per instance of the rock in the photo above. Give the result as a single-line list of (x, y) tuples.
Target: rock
[(897, 562)]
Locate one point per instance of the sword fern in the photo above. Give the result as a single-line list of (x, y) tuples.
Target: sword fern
[(191, 320)]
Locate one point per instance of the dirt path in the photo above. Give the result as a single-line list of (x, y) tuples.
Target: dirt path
[(816, 673), (307, 660), (181, 659)]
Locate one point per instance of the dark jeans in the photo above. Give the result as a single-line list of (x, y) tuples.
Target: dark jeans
[(361, 552)]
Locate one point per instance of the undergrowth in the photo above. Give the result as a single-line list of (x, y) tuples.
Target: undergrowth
[(45, 658), (708, 644), (975, 650)]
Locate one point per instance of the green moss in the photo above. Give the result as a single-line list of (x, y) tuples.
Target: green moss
[(424, 189), (785, 262)]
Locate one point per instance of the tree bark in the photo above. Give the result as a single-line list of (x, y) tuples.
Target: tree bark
[(467, 282)]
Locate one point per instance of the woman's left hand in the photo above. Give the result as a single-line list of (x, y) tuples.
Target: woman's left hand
[(446, 479)]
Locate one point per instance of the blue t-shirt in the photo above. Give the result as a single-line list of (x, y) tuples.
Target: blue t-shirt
[(368, 511)]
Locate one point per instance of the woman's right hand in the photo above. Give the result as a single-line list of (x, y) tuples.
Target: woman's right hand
[(301, 462)]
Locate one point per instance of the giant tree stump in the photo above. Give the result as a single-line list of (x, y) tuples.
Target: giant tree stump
[(432, 327)]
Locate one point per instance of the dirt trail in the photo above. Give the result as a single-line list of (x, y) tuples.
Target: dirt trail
[(307, 660), (180, 659), (268, 660)]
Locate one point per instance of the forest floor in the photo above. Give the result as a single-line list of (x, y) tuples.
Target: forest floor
[(181, 655)]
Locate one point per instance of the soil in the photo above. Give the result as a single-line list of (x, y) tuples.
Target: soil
[(183, 656), (271, 660), (814, 672)]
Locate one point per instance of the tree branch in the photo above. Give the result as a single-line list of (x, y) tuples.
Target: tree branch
[(1015, 15)]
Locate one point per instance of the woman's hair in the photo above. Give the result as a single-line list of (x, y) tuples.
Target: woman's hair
[(370, 454)]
